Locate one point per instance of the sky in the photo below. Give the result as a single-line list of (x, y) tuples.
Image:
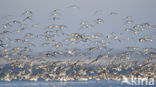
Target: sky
[(142, 11)]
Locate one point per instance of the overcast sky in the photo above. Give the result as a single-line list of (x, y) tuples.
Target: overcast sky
[(141, 10)]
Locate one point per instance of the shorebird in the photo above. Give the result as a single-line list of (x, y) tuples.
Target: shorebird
[(112, 13), (99, 20), (27, 19), (27, 12), (73, 6)]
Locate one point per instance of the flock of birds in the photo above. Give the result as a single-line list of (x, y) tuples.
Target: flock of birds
[(66, 56)]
